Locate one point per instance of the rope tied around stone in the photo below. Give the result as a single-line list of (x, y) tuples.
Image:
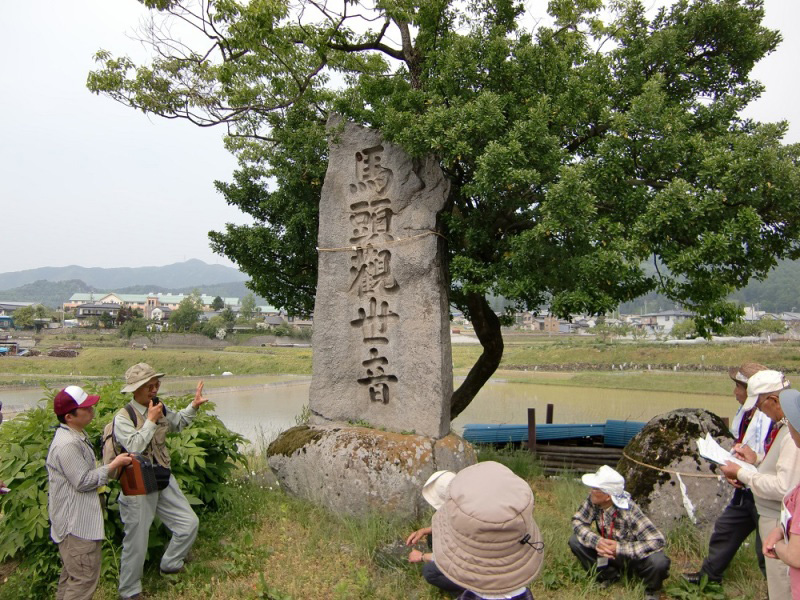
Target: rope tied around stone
[(671, 471), (383, 244)]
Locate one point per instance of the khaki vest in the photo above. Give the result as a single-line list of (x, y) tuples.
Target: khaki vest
[(156, 450)]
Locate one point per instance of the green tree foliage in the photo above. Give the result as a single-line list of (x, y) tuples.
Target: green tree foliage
[(228, 316), (26, 316), (218, 303), (187, 313), (755, 328), (576, 151), (213, 325), (203, 458), (248, 308), (134, 326), (106, 320), (684, 329)]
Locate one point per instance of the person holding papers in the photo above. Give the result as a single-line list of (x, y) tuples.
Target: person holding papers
[(783, 542), (740, 518), (777, 473)]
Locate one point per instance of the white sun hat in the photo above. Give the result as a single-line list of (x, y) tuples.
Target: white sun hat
[(609, 481)]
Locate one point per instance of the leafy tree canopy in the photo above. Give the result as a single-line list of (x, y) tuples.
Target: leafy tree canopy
[(248, 308), (218, 303), (187, 313), (26, 316), (576, 151)]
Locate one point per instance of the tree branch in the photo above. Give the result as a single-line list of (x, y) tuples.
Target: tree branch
[(594, 131)]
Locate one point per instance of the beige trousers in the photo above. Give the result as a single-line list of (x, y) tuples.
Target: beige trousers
[(777, 571), (81, 560)]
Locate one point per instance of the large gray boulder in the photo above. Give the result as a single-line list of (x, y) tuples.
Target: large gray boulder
[(358, 471), (668, 445)]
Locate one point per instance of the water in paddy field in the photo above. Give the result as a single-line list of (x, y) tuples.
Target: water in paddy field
[(259, 407)]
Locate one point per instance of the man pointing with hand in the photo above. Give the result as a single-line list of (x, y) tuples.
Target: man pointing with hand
[(147, 436)]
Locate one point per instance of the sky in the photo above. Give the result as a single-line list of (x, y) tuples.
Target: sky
[(90, 182)]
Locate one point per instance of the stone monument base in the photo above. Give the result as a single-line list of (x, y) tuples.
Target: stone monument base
[(358, 471)]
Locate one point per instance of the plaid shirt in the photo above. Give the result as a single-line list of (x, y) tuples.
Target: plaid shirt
[(635, 534)]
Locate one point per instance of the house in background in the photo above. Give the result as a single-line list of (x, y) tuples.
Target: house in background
[(86, 312), (664, 321), (147, 303), (8, 308)]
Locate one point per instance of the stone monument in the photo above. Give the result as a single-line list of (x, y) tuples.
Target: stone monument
[(382, 367), (381, 318)]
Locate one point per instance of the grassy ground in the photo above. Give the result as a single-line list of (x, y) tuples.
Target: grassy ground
[(575, 354), (268, 545), (567, 355), (110, 362)]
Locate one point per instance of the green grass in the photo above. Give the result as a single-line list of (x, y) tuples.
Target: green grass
[(110, 362), (268, 545), (574, 354)]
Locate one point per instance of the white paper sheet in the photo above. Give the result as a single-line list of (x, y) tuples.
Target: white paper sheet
[(711, 450)]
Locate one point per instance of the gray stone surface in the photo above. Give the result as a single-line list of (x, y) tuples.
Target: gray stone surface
[(358, 471), (668, 442), (381, 347)]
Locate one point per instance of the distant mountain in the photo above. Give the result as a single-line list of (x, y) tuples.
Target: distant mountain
[(778, 292), (49, 293), (190, 274)]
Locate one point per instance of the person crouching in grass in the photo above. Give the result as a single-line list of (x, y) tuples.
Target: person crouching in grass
[(625, 536)]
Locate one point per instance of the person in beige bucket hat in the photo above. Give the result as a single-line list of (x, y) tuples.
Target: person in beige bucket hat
[(484, 536), (435, 493), (142, 427)]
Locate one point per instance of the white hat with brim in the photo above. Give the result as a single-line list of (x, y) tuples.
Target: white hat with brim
[(763, 382), (435, 489), (137, 376), (484, 536), (609, 481)]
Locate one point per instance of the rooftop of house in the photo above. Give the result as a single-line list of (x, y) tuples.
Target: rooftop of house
[(142, 298)]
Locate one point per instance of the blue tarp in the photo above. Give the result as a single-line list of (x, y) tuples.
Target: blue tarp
[(615, 433)]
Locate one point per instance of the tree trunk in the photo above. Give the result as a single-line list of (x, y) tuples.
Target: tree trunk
[(487, 327)]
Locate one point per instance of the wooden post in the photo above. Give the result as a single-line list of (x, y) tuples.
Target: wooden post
[(549, 417), (727, 422), (532, 430)]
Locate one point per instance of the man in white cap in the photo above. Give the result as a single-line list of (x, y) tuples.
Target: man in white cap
[(76, 519), (777, 473), (750, 428), (148, 436), (435, 493), (484, 536), (625, 536)]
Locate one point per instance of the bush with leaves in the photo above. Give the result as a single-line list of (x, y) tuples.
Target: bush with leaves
[(203, 458)]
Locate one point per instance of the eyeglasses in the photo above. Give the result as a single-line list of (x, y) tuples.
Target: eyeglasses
[(153, 386)]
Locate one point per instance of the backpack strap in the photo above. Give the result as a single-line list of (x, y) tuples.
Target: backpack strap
[(131, 415)]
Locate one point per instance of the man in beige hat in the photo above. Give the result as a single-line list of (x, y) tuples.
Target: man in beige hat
[(147, 435), (777, 473), (625, 536), (750, 428), (484, 536)]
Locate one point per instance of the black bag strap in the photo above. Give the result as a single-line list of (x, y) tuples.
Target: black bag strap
[(132, 416)]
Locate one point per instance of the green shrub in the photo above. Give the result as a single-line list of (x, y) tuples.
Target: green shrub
[(203, 458)]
